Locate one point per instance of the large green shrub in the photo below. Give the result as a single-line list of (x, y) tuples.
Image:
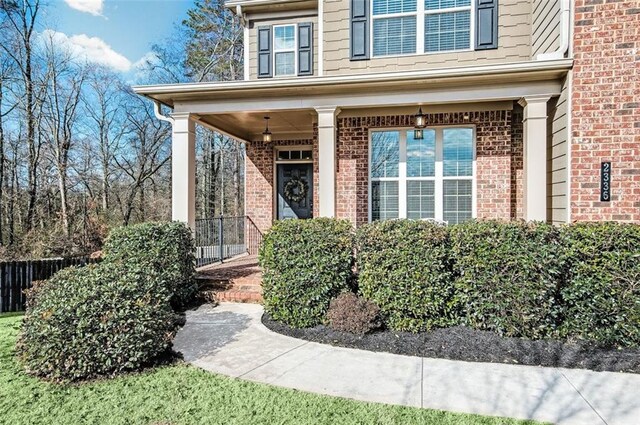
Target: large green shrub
[(95, 320), (403, 267), (508, 276), (305, 264), (166, 248), (601, 297)]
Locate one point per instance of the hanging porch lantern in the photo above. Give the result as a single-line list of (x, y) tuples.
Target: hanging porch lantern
[(420, 124), (266, 134)]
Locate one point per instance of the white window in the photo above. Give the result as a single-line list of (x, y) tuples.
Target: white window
[(284, 50), (428, 178), (403, 27)]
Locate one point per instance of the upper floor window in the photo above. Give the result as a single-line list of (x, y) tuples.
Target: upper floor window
[(432, 177), (284, 50), (420, 26)]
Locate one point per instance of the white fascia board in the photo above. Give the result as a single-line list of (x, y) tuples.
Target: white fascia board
[(244, 3), (357, 79), (417, 95)]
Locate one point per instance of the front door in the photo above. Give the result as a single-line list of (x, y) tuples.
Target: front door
[(295, 191)]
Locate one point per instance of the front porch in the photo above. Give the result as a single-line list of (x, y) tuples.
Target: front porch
[(510, 163)]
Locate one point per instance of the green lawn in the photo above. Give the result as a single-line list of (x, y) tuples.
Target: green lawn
[(182, 394)]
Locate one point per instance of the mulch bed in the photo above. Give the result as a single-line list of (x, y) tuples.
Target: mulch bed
[(461, 343)]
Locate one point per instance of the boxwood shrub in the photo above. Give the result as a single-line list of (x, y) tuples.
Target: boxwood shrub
[(95, 320), (601, 296), (508, 276), (404, 268), (167, 248), (305, 264)]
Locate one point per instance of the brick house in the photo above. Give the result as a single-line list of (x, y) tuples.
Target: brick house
[(444, 109)]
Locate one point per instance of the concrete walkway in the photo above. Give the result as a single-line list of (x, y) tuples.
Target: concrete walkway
[(231, 340)]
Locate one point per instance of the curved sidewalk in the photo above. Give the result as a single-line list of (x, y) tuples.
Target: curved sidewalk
[(231, 340)]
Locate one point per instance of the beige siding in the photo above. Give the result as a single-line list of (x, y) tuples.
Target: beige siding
[(253, 40), (557, 166), (545, 34), (514, 43)]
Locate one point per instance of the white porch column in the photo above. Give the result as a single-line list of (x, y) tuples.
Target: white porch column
[(183, 169), (327, 160), (535, 158)]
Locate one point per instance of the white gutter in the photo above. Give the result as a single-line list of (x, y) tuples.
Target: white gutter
[(446, 73), (158, 113), (565, 31)]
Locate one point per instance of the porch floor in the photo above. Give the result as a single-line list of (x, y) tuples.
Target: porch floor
[(237, 280)]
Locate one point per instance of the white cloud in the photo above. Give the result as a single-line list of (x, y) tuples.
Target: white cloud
[(149, 57), (93, 7), (91, 49)]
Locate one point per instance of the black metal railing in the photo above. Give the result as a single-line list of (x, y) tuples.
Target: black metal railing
[(18, 276), (220, 238)]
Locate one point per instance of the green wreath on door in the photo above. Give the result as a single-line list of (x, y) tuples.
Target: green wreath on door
[(295, 190)]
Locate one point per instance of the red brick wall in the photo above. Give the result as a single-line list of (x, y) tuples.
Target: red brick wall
[(606, 109), (499, 165), (495, 156), (259, 179)]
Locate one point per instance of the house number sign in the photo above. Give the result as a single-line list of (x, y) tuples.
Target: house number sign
[(605, 182)]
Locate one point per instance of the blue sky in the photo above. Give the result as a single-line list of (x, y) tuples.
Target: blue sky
[(116, 33)]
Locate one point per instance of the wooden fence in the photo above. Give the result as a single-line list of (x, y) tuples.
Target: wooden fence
[(17, 276)]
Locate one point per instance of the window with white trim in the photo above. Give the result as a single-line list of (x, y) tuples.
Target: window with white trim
[(284, 50), (403, 27), (432, 177)]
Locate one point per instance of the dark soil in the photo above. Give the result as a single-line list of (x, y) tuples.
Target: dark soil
[(462, 343)]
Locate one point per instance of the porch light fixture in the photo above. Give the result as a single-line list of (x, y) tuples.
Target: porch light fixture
[(421, 119), (266, 134), (420, 124)]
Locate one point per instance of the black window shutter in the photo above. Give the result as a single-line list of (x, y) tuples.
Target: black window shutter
[(305, 48), (359, 30), (486, 24), (265, 52)]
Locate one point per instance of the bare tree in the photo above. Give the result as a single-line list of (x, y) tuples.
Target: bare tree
[(103, 106), (64, 82), (20, 17), (145, 154)]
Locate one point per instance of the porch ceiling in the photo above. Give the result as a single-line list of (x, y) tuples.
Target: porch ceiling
[(285, 125)]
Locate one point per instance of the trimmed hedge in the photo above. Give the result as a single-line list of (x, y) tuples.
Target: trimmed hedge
[(601, 296), (507, 276), (95, 320), (305, 264), (517, 279), (404, 268), (167, 248)]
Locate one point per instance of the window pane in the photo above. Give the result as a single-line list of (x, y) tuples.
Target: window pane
[(393, 36), (384, 200), (457, 152), (383, 7), (456, 201), (285, 37), (447, 31), (307, 155), (444, 4), (385, 153), (283, 154), (285, 63), (421, 154), (421, 199)]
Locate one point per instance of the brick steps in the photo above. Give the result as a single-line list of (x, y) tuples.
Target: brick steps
[(230, 291), (238, 280)]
